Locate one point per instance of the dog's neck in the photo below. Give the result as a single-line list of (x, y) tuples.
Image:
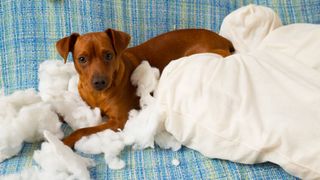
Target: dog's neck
[(133, 57)]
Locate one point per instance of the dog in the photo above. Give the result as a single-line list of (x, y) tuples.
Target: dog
[(105, 64)]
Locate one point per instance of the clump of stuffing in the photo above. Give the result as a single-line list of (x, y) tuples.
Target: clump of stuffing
[(56, 160), (73, 84), (58, 86), (175, 162), (24, 117), (54, 77), (35, 119), (145, 127), (166, 141), (142, 129), (108, 142), (146, 79), (75, 112)]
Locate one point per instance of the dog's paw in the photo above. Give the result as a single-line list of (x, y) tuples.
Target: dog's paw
[(69, 142)]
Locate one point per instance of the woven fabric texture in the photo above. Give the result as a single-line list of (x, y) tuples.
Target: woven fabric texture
[(29, 30)]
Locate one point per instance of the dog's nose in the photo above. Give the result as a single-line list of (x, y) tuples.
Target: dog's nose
[(99, 83)]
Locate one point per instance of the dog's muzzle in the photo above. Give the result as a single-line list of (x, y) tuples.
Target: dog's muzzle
[(99, 83)]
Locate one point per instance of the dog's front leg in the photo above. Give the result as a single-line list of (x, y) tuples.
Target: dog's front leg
[(112, 123)]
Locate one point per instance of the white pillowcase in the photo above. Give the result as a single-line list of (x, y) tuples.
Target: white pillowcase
[(261, 104)]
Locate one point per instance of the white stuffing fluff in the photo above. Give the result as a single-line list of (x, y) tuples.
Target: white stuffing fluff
[(59, 86), (75, 111), (73, 84), (23, 117), (175, 162), (142, 129), (166, 141), (54, 78), (146, 79), (146, 126), (58, 162), (36, 118), (58, 159), (108, 142)]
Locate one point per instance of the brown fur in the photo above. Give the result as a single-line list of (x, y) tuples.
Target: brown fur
[(118, 97)]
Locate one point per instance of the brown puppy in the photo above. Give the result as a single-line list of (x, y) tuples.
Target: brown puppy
[(105, 64)]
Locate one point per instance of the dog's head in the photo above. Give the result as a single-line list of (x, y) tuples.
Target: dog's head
[(95, 55)]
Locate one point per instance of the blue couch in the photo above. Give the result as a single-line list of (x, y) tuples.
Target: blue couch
[(30, 28)]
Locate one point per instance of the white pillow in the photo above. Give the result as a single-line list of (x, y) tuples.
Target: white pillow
[(258, 105)]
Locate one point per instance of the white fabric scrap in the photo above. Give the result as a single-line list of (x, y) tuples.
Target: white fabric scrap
[(142, 129)]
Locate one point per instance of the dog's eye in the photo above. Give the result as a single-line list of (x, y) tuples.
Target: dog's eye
[(82, 60), (108, 56)]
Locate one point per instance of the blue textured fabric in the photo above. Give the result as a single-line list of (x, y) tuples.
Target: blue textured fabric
[(29, 30)]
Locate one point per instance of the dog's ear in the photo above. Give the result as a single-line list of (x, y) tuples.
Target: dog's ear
[(65, 45), (120, 40)]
